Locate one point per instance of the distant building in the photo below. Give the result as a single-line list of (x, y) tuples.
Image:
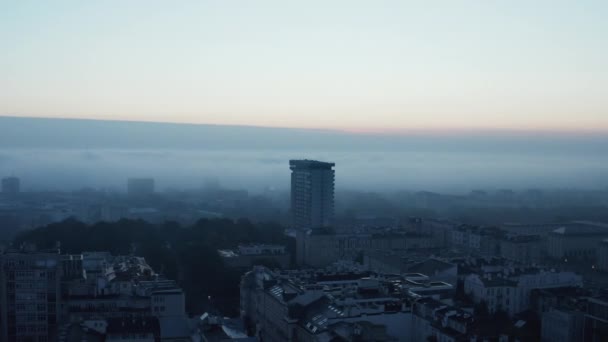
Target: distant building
[(576, 241), (440, 230), (525, 249), (602, 256), (399, 262), (532, 229), (312, 194), (140, 187), (10, 186), (510, 289), (246, 256), (478, 240), (321, 247)]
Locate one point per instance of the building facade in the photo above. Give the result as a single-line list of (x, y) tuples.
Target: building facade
[(30, 295), (525, 249), (562, 326), (510, 290), (602, 255), (312, 194), (575, 241)]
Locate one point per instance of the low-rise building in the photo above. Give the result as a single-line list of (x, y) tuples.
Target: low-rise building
[(246, 256), (576, 241), (322, 247), (562, 325), (596, 320), (440, 230), (402, 262), (317, 305), (434, 320), (123, 299), (509, 290), (602, 255), (525, 249), (477, 240)]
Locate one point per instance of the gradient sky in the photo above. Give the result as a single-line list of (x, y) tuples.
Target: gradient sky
[(341, 64)]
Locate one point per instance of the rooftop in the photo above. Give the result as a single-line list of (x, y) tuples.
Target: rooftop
[(581, 229), (310, 164)]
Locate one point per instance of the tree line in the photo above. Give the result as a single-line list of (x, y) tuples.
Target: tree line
[(187, 254)]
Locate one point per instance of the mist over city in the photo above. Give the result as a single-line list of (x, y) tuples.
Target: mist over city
[(54, 154), (314, 171)]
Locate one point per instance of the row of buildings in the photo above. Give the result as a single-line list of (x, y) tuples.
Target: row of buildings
[(580, 242), (320, 241), (344, 302), (93, 296), (558, 242)]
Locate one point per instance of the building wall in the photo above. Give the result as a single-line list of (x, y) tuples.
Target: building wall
[(596, 321), (602, 256), (320, 250), (398, 324), (168, 304), (523, 252), (561, 246), (516, 298), (30, 295), (497, 297), (562, 326), (275, 327), (421, 329), (312, 194)]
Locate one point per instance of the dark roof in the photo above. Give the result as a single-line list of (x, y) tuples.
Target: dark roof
[(523, 238), (310, 164), (580, 230), (498, 282), (133, 325), (430, 267)]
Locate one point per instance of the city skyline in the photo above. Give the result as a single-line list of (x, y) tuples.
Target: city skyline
[(394, 67)]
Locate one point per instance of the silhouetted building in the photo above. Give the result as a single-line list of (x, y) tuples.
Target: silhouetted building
[(139, 187), (596, 320), (246, 256), (577, 241), (602, 255), (10, 186), (312, 193), (30, 295)]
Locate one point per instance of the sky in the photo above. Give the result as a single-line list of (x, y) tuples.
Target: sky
[(362, 66)]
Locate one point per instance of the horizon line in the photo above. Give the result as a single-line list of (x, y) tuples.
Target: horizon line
[(352, 130)]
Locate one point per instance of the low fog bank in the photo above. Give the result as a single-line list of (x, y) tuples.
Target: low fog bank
[(52, 154), (255, 170)]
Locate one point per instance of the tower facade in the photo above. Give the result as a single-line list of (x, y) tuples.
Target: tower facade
[(30, 295), (312, 194)]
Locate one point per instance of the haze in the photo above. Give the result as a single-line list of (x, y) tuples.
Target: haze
[(52, 154)]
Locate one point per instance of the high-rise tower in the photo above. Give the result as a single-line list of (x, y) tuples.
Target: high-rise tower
[(312, 194)]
